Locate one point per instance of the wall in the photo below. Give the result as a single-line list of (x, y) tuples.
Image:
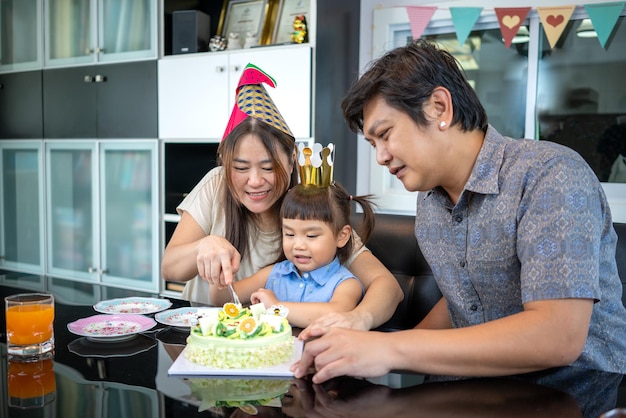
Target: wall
[(616, 192), (336, 67)]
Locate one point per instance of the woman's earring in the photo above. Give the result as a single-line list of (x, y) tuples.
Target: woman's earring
[(442, 124)]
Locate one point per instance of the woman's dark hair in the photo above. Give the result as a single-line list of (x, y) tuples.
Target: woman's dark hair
[(406, 77), (330, 205), (277, 143)]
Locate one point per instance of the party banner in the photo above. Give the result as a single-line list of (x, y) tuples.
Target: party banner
[(554, 21), (604, 17), (464, 19), (419, 16), (510, 19)]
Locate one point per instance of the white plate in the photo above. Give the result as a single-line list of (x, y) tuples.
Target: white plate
[(184, 367), (111, 328), (132, 305), (181, 317)]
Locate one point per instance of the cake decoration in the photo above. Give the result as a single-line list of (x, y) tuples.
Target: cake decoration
[(237, 337)]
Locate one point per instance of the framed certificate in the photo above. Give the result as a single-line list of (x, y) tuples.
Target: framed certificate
[(283, 23), (243, 17)]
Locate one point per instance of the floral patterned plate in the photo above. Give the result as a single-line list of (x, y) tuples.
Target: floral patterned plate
[(181, 318), (111, 328), (132, 305)]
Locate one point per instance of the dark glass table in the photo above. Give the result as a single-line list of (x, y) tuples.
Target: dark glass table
[(130, 379)]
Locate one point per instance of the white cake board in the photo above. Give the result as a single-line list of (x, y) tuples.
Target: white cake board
[(184, 368)]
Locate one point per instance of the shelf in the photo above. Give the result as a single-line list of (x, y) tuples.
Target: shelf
[(185, 165)]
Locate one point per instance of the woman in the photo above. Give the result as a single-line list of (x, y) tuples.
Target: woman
[(230, 223)]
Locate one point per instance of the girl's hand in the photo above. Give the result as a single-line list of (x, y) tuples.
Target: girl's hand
[(264, 295)]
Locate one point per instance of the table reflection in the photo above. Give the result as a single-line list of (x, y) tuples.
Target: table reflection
[(497, 397), (31, 384)]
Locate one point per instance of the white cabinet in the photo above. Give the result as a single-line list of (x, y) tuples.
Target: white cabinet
[(102, 212), (21, 206), (91, 31), (20, 35), (197, 91)]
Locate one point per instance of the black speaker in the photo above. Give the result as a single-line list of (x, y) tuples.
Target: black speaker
[(191, 31)]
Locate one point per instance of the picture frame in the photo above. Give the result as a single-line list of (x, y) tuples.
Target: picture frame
[(243, 17), (282, 21)]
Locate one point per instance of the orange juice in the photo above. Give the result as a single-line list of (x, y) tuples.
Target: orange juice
[(29, 324), (31, 379)]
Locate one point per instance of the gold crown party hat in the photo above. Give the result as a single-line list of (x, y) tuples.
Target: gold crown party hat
[(252, 100), (315, 164)]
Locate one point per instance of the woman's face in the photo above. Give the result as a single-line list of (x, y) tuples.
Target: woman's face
[(253, 174)]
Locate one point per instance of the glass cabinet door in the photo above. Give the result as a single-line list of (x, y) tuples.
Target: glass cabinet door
[(71, 195), (70, 33), (21, 220), (127, 29), (20, 32), (129, 214), (92, 31)]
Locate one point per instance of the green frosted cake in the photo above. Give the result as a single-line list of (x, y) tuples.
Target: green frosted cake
[(237, 338)]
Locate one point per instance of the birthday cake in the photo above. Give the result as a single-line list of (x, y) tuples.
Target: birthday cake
[(236, 338)]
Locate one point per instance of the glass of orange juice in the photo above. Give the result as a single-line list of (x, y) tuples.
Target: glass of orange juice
[(29, 320), (31, 384)]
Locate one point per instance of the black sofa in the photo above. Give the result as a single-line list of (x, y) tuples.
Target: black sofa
[(393, 243)]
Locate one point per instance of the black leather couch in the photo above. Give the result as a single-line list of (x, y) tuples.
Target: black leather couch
[(393, 243)]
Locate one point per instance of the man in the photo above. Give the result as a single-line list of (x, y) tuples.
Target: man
[(518, 234)]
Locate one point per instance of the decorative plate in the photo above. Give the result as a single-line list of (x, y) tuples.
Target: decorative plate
[(111, 328), (132, 305), (181, 317)]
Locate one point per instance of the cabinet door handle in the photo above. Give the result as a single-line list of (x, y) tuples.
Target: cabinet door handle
[(100, 50), (88, 79), (88, 51), (236, 68), (100, 78), (1, 86), (219, 69), (91, 270), (104, 271)]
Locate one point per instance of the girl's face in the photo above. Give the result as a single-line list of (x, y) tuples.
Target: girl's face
[(311, 244), (253, 174)]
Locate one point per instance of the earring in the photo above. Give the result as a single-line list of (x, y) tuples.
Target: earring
[(442, 124)]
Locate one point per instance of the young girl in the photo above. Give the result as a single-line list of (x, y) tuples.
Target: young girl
[(317, 238)]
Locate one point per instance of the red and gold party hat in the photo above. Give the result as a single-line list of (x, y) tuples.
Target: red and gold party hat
[(253, 101)]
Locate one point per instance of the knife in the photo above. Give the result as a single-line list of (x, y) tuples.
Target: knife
[(234, 295)]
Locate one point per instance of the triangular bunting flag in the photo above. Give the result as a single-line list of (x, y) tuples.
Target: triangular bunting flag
[(419, 16), (604, 17), (464, 19), (554, 21), (510, 19)]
